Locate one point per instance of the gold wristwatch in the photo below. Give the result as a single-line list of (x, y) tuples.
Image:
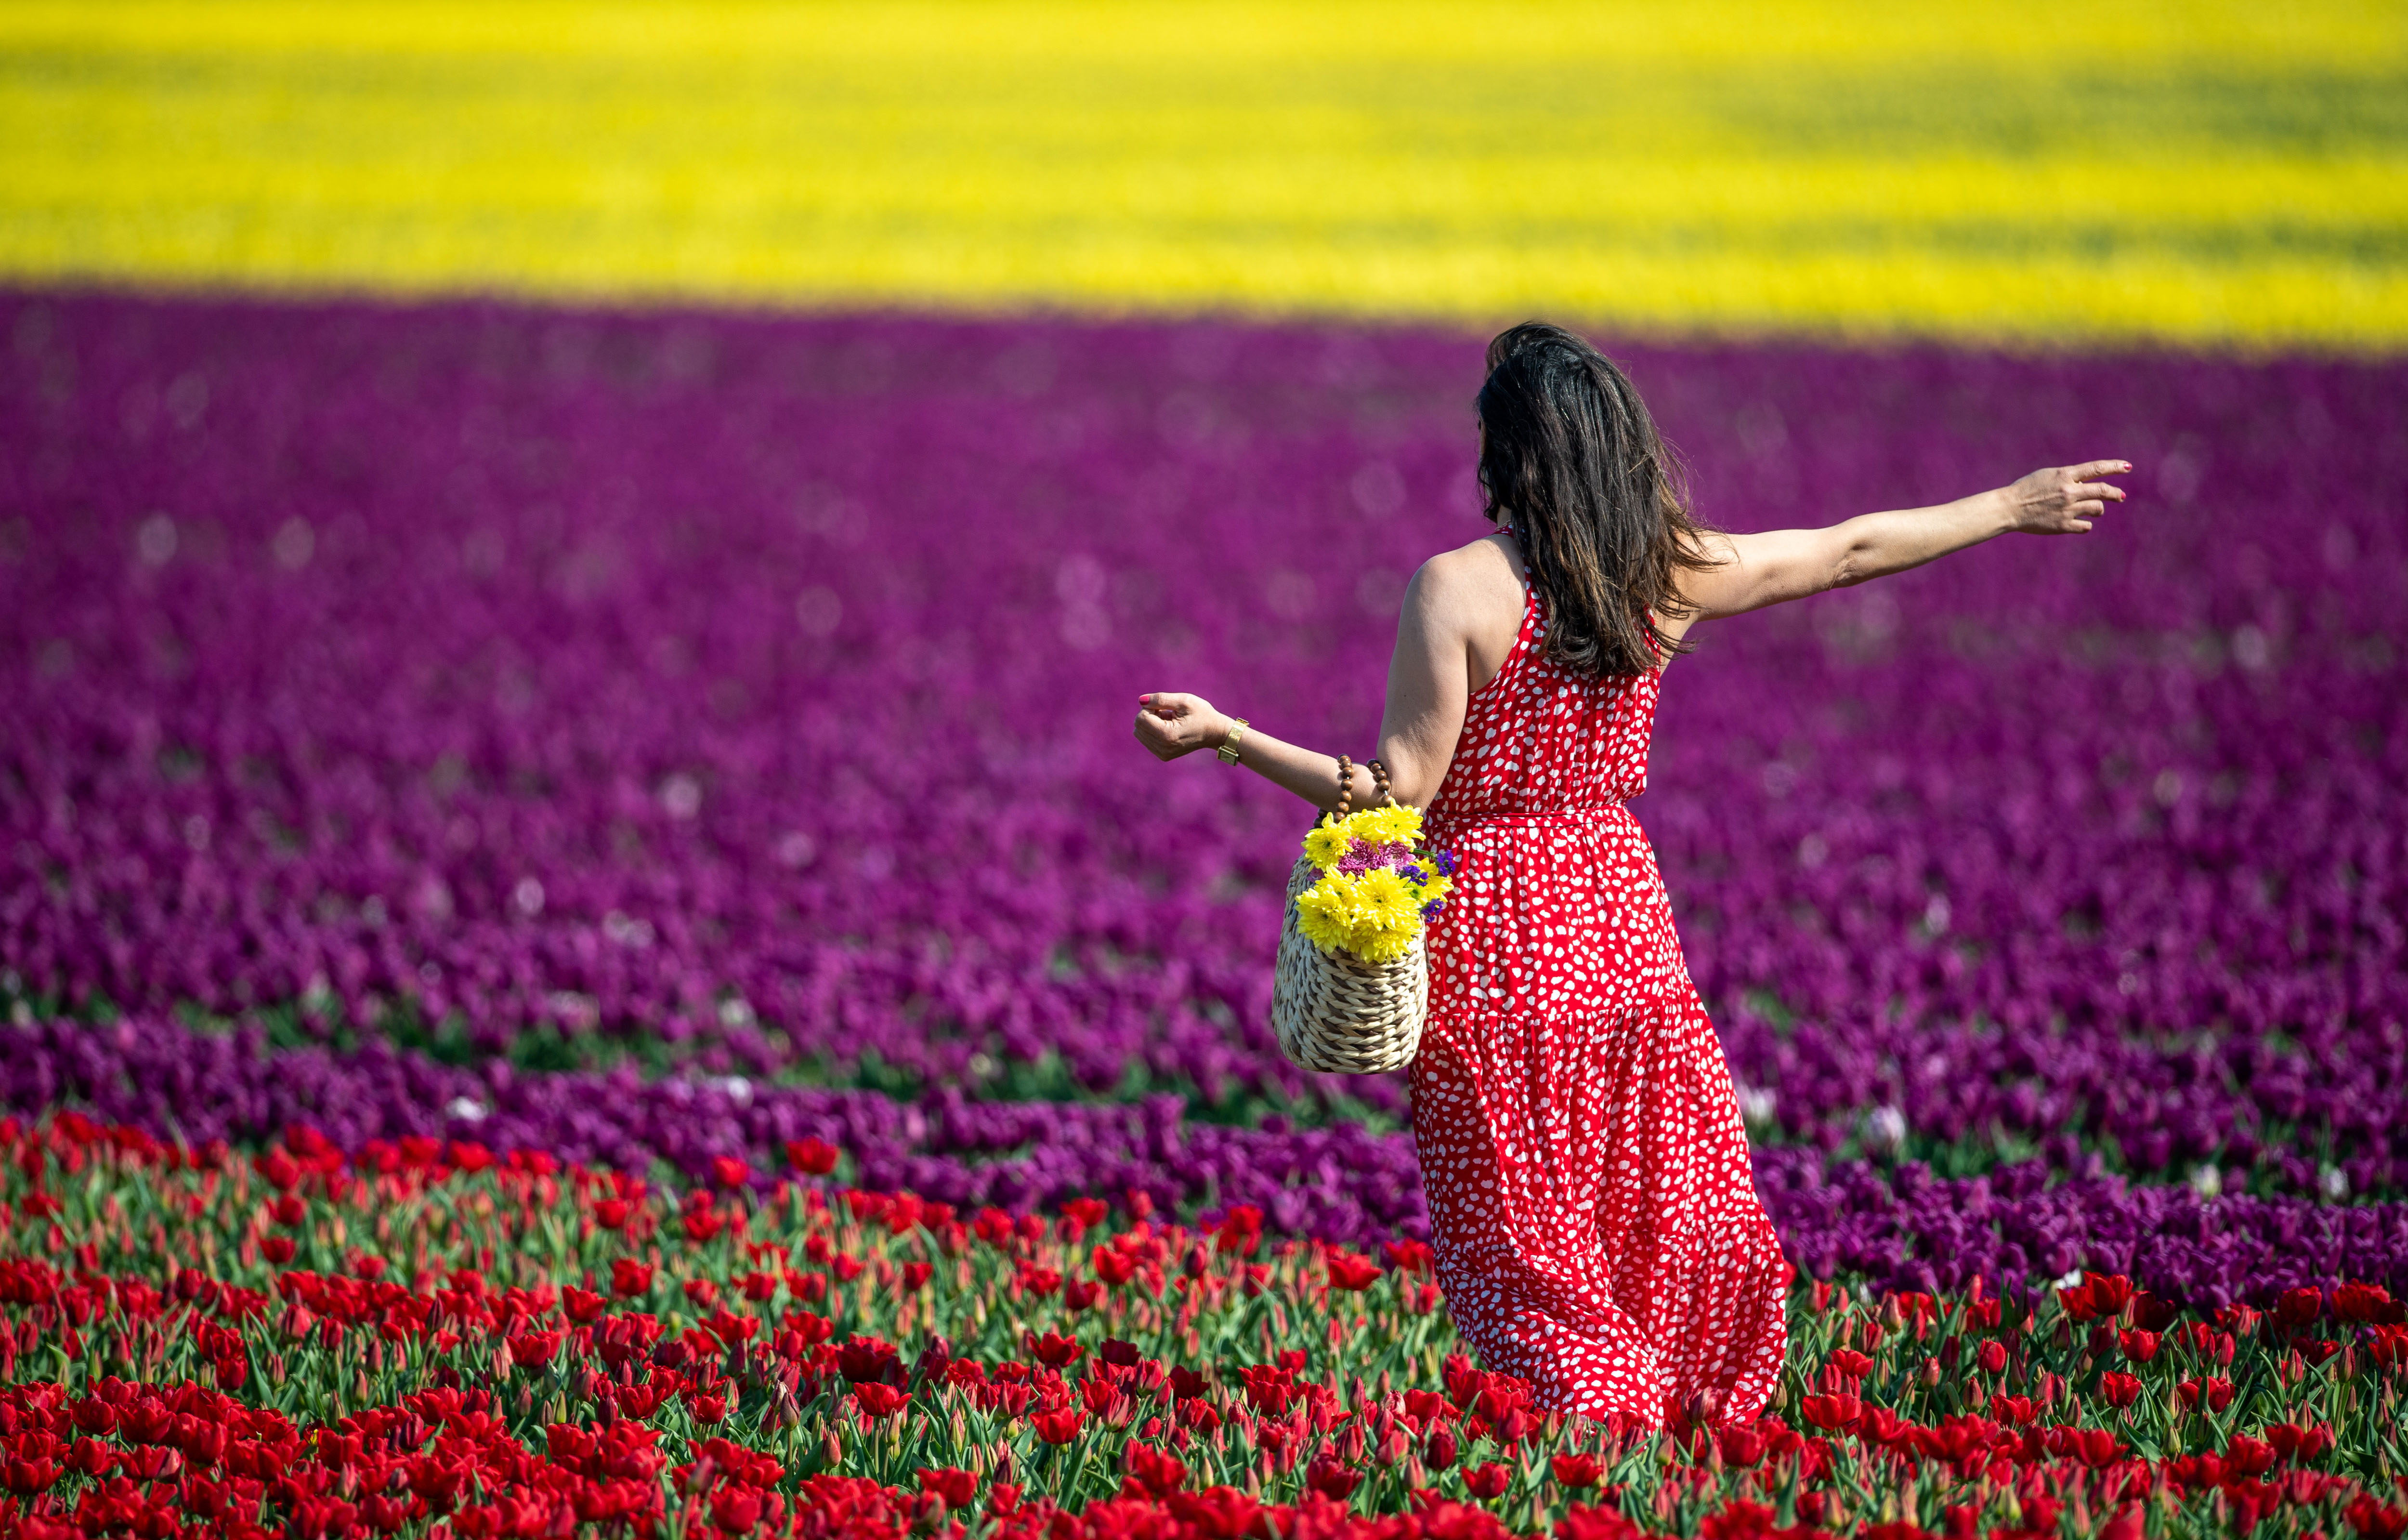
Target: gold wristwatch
[(1229, 745)]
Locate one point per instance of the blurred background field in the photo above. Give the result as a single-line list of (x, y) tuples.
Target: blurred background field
[(2213, 172)]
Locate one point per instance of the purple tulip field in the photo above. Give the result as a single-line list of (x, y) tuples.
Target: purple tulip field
[(649, 738)]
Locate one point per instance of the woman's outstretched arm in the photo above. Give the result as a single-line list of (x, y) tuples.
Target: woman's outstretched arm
[(1452, 600), (1756, 570)]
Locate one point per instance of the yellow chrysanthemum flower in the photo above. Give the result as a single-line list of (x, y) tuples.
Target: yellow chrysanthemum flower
[(1399, 825), (1326, 912), (1434, 885), (1350, 828), (1381, 945), (1326, 846), (1385, 901)]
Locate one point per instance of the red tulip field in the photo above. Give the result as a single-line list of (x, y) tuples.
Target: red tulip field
[(435, 1339)]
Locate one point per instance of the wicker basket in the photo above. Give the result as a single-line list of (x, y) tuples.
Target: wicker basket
[(1341, 1015)]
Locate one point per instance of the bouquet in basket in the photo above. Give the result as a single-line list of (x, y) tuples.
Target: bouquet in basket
[(1379, 883)]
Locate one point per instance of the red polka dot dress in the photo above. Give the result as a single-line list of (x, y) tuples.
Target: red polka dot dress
[(1597, 1230)]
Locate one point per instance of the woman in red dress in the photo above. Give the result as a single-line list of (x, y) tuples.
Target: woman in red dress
[(1597, 1230)]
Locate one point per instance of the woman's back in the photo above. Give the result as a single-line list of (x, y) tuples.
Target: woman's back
[(1538, 737), (1581, 1145)]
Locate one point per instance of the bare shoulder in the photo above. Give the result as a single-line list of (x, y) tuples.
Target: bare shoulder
[(1471, 581), (1470, 598)]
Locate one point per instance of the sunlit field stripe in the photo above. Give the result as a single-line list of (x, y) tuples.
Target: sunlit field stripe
[(2204, 174)]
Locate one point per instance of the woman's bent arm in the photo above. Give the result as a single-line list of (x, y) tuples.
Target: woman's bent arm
[(1450, 598), (1756, 570)]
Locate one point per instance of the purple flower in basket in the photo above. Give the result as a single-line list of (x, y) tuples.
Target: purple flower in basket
[(1444, 861), (1432, 909)]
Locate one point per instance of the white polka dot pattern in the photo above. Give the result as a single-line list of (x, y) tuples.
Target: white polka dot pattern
[(1598, 1232)]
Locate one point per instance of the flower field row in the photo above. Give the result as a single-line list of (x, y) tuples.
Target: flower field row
[(577, 691), (1897, 1225), (1714, 165), (424, 1338)]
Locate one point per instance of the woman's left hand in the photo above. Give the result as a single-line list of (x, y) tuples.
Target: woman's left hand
[(1170, 724)]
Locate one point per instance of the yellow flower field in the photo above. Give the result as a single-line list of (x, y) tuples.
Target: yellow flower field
[(2205, 173)]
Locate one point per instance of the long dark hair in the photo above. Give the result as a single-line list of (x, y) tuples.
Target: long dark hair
[(1571, 462)]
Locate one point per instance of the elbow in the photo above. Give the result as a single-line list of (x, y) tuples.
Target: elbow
[(1410, 784), (1852, 567)]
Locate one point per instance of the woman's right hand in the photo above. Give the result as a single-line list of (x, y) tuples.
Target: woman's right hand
[(2063, 499), (1170, 724)]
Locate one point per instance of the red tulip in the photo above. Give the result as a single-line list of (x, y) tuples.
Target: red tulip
[(630, 1277), (1350, 1272), (811, 1156), (318, 1517), (2139, 1345), (728, 1171), (1055, 1350), (91, 1457), (2374, 1520), (1487, 1482), (2299, 1306), (2249, 1456), (879, 1401), (954, 1488), (2362, 1301), (1332, 1479), (27, 1477), (1157, 1473), (1742, 1448), (1577, 1471), (1992, 1357), (533, 1349), (1439, 1449), (2293, 1441), (2214, 1391), (2120, 1391), (736, 1509), (1839, 1413), (1059, 1426)]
